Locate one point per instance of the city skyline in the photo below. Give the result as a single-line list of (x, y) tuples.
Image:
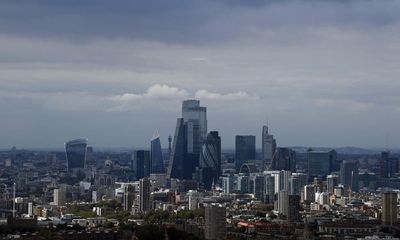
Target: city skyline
[(321, 73), (258, 140), (200, 119)]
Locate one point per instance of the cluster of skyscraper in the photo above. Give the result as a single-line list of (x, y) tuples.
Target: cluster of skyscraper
[(194, 152)]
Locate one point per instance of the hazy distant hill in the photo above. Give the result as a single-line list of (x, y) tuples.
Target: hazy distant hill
[(341, 150)]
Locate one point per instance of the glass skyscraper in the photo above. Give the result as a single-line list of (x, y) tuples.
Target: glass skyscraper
[(76, 154), (195, 117), (210, 160), (157, 162), (389, 166), (284, 159), (268, 146), (320, 163), (349, 174), (141, 164), (245, 150), (178, 154)]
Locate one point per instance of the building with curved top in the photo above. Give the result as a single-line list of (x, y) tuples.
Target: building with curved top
[(75, 151), (248, 168)]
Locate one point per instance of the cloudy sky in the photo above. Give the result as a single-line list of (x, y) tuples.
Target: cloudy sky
[(322, 73)]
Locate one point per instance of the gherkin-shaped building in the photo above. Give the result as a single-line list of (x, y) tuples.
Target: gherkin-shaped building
[(210, 160)]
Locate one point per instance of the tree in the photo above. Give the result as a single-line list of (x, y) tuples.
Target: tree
[(149, 232)]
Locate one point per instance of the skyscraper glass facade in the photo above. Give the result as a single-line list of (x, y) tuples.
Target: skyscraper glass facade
[(76, 153), (320, 163), (268, 146), (210, 159), (157, 162), (141, 164), (284, 159), (245, 150)]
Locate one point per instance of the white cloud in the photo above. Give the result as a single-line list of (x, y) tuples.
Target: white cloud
[(158, 91), (128, 101), (240, 95), (155, 92)]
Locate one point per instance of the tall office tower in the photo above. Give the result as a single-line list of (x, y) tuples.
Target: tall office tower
[(59, 196), (210, 160), (90, 161), (384, 164), (157, 161), (30, 209), (284, 177), (309, 193), (129, 197), (302, 177), (389, 166), (197, 115), (284, 159), (283, 201), (227, 184), (268, 146), (176, 166), (295, 185), (349, 175), (259, 187), (269, 188), (389, 208), (319, 184), (144, 195), (76, 154), (141, 164), (245, 150), (332, 181), (169, 146), (289, 206), (320, 163), (215, 222), (277, 179), (293, 212)]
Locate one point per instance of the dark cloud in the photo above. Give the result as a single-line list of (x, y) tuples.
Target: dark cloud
[(311, 66), (184, 21)]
